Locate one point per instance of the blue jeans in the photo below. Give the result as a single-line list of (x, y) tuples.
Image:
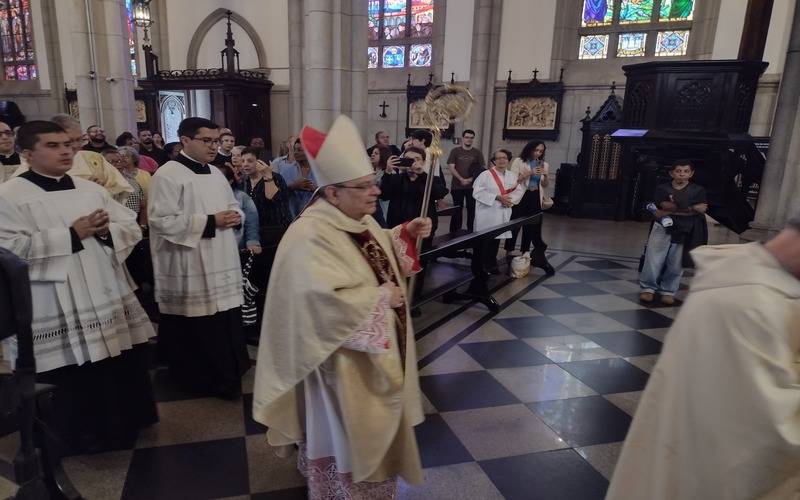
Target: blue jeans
[(663, 263)]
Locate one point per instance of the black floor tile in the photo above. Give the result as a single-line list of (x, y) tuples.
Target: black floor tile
[(608, 376), (505, 354), (438, 444), (584, 421), (627, 343), (290, 494), (250, 425), (211, 469), (602, 264), (534, 326), (165, 388), (588, 276), (641, 319), (575, 289), (552, 475), (465, 391), (557, 306)]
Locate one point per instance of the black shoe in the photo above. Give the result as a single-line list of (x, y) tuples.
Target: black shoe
[(548, 269)]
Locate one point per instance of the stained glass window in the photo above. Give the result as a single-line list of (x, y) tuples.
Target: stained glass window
[(672, 43), (635, 11), (631, 44), (16, 40), (676, 10), (372, 54), (593, 47), (374, 18), (397, 28), (420, 55), (421, 18), (394, 19), (597, 12), (394, 56), (131, 36)]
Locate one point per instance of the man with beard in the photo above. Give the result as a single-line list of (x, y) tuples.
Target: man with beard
[(9, 158), (97, 140), (148, 148)]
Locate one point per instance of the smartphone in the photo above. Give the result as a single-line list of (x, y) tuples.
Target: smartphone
[(405, 162)]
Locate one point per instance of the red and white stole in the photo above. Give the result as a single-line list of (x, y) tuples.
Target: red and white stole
[(503, 190)]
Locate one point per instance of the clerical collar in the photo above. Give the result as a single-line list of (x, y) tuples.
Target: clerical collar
[(47, 182), (12, 159), (192, 164)]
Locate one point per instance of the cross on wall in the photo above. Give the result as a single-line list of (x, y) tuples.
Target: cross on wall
[(383, 109)]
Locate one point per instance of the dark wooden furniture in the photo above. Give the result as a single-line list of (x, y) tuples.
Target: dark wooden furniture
[(594, 181), (696, 110), (240, 99)]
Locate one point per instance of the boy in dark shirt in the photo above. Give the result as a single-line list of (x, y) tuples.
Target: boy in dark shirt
[(663, 262)]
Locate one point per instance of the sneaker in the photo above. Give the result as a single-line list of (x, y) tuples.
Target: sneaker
[(668, 300), (646, 297)]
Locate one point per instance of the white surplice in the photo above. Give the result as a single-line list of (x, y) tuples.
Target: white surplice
[(194, 276), (488, 211), (720, 417), (84, 309)]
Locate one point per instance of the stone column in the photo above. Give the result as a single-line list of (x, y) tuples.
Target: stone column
[(296, 65), (358, 65), (317, 63), (483, 68), (102, 65), (778, 198)]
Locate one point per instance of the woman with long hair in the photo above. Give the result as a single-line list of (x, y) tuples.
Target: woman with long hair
[(534, 176), (379, 156)]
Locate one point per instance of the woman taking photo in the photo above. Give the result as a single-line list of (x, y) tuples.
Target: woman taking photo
[(533, 175)]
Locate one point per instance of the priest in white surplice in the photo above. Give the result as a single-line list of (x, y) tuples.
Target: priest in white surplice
[(198, 279), (720, 417), (495, 190), (89, 330), (337, 369)]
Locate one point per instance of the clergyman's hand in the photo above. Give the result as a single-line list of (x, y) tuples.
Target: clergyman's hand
[(227, 219), (396, 294), (419, 227)]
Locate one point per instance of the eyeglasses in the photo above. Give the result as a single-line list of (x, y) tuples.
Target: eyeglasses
[(7, 133), (207, 141)]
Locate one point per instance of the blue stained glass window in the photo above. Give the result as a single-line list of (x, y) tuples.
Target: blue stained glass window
[(597, 12), (394, 56), (131, 36), (672, 43), (16, 40), (635, 11), (593, 47), (394, 19), (420, 55), (374, 18), (631, 44), (372, 54)]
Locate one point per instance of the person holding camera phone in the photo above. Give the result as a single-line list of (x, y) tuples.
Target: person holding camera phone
[(403, 186)]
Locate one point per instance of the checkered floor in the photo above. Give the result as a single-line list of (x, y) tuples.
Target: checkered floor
[(531, 403)]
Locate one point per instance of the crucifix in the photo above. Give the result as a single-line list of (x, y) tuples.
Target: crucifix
[(383, 109), (535, 73)]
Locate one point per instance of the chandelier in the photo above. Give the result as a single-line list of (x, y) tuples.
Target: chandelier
[(141, 16)]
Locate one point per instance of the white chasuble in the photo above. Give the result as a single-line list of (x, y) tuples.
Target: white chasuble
[(194, 276), (488, 211), (330, 340), (720, 416), (84, 309)]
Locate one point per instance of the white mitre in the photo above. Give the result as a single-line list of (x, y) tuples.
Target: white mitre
[(338, 156)]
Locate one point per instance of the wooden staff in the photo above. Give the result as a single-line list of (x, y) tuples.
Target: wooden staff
[(444, 104)]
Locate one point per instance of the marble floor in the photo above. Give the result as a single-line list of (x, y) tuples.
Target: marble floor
[(530, 403)]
